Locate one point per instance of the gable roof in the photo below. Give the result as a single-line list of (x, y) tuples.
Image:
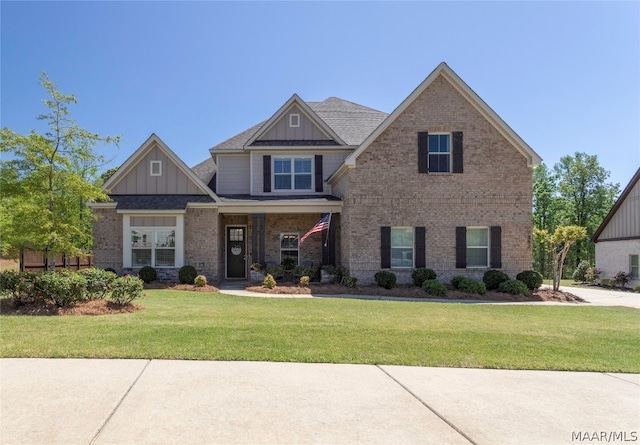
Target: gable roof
[(623, 196), (350, 122), (304, 107), (443, 70), (139, 154)]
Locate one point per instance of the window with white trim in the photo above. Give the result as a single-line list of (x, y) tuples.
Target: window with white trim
[(439, 153), (289, 246), (634, 266), (402, 247), (294, 120), (477, 247), (155, 168), (292, 173), (154, 247)]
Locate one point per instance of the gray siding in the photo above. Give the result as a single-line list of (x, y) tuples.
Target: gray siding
[(307, 131), (626, 221), (138, 181), (233, 174)]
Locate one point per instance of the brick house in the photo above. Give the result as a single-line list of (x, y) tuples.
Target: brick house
[(441, 182)]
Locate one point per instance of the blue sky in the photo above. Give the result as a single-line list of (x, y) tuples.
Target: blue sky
[(564, 75)]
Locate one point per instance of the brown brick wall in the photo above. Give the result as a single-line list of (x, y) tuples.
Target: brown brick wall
[(385, 189), (202, 241), (107, 239)]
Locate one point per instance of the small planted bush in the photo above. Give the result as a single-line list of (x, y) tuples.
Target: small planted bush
[(350, 282), (62, 289), (531, 278), (126, 289), (456, 280), (472, 286), (580, 274), (385, 279), (493, 278), (304, 281), (19, 286), (269, 282), (200, 281), (434, 287), (148, 274), (187, 274), (514, 287), (421, 275), (99, 282)]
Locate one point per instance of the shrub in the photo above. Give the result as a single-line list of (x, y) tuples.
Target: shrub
[(421, 275), (304, 281), (456, 280), (269, 282), (531, 278), (434, 287), (187, 274), (514, 287), (637, 289), (148, 274), (200, 281), (62, 289), (622, 278), (385, 279), (350, 282), (111, 269), (288, 263), (580, 274), (592, 274), (99, 282), (472, 286), (256, 267), (19, 286), (126, 289), (493, 278)]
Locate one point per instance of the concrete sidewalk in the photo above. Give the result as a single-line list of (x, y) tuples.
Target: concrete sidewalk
[(83, 401)]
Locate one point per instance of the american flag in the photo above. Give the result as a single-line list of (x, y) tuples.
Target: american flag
[(319, 227)]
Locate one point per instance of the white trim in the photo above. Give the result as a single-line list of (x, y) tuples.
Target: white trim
[(179, 240), (294, 120), (449, 152), (150, 212), (488, 247), (412, 246), (292, 175), (296, 248), (153, 164)]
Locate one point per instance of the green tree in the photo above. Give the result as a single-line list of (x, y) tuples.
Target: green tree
[(46, 181), (545, 210), (558, 244), (586, 198)]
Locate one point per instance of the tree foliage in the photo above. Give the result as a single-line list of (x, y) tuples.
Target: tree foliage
[(558, 244), (574, 192), (46, 180)]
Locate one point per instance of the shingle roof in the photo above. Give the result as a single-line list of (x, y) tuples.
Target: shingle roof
[(157, 202)]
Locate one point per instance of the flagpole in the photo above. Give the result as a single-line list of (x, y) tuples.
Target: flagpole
[(326, 241)]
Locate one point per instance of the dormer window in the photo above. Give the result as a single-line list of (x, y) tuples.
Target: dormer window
[(294, 120), (156, 168)]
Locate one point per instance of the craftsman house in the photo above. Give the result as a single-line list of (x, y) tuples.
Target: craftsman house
[(618, 237), (441, 182)]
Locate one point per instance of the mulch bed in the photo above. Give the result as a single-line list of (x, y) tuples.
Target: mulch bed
[(95, 307)]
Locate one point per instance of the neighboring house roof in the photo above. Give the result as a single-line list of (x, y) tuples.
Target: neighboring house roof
[(619, 202), (158, 202), (443, 69), (152, 142)]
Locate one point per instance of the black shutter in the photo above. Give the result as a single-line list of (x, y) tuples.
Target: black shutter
[(318, 175), (461, 247), (385, 247), (420, 247), (458, 159), (496, 247), (266, 173), (423, 152)]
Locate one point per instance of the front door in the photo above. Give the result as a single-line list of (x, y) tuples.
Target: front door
[(236, 252)]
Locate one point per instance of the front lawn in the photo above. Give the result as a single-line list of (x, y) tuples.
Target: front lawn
[(213, 326)]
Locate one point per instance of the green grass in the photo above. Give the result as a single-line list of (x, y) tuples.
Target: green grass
[(202, 326)]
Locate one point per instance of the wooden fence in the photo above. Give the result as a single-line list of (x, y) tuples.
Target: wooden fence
[(38, 261)]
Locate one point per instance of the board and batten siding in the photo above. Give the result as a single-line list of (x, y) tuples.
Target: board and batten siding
[(233, 174), (331, 160), (626, 221), (306, 131), (138, 181)]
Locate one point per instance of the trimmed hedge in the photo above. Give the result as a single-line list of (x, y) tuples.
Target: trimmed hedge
[(514, 287), (472, 286), (531, 278), (422, 274), (148, 274), (187, 274), (434, 287), (493, 278), (385, 279)]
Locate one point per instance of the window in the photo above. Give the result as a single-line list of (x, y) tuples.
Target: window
[(292, 173), (156, 168), (153, 247), (401, 247), (634, 266), (477, 247), (294, 120), (439, 153), (289, 247)]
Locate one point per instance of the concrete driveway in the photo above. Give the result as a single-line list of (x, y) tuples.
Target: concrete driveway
[(603, 297), (84, 401)]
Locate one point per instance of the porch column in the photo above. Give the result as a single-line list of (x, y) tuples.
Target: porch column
[(257, 238)]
